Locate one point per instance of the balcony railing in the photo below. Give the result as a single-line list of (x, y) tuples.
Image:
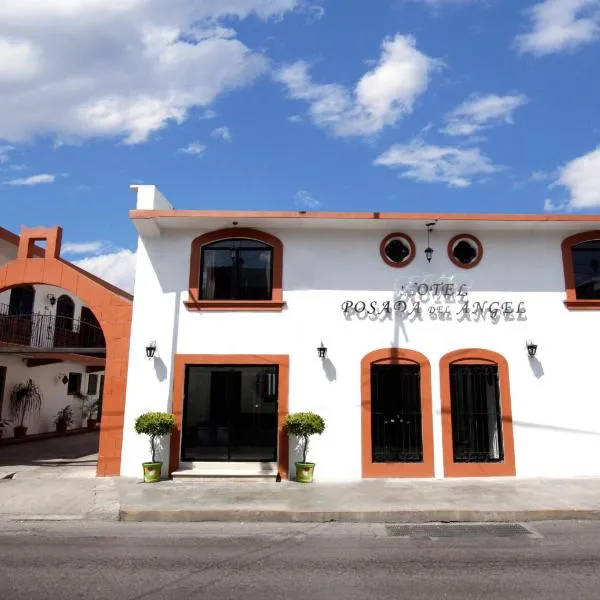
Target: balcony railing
[(48, 331)]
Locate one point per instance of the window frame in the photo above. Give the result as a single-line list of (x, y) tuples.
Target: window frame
[(73, 374), (411, 249), (478, 245), (275, 304), (477, 356), (572, 302)]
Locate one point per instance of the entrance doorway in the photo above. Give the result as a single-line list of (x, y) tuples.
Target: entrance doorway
[(230, 413)]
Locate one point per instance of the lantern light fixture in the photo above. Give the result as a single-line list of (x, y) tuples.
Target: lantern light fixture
[(531, 348), (429, 249), (322, 350), (51, 299), (151, 350)]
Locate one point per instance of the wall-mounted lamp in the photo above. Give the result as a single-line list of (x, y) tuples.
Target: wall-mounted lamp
[(62, 377), (51, 299), (531, 348), (322, 351), (150, 350), (429, 249)]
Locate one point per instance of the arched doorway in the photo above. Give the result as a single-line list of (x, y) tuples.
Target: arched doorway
[(18, 327), (110, 305), (397, 420)]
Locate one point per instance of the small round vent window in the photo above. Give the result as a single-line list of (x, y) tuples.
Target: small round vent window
[(397, 250), (465, 251)]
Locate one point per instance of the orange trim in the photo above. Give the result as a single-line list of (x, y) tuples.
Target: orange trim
[(477, 356), (232, 214), (51, 235), (458, 238), (572, 302), (194, 301), (114, 315), (181, 360), (411, 247), (396, 356)]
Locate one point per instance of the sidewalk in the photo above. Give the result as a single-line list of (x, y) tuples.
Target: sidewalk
[(364, 501), (60, 494)]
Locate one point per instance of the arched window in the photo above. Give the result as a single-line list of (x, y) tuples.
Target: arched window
[(477, 430), (236, 269), (397, 421), (581, 263), (65, 311)]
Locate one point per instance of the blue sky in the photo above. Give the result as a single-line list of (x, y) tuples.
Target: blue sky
[(392, 105)]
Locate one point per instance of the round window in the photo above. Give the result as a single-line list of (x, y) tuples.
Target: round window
[(465, 251), (397, 250)]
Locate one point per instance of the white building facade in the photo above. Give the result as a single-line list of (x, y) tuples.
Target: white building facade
[(479, 362)]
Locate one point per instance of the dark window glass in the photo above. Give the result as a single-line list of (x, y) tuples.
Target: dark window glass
[(92, 385), (464, 252), (74, 385), (397, 250), (21, 301), (476, 418), (396, 420), (586, 266), (65, 310), (236, 269)]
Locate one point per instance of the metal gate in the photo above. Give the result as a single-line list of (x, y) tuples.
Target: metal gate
[(476, 415), (396, 419)]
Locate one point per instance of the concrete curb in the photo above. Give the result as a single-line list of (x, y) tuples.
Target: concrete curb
[(291, 516)]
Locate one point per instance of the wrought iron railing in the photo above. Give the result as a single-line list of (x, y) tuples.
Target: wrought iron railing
[(48, 331)]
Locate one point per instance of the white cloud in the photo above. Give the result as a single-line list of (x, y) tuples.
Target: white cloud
[(84, 247), (119, 68), (32, 180), (549, 206), (439, 3), (207, 115), (478, 113), (457, 167), (306, 199), (559, 25), (295, 119), (581, 177), (4, 150), (117, 268), (542, 175), (380, 98), (195, 149), (222, 133)]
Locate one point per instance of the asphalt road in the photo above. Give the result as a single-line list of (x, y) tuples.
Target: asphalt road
[(151, 561)]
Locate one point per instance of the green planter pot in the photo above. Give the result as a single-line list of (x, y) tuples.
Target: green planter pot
[(152, 471), (304, 472)]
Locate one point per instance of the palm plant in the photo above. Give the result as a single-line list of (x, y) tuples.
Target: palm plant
[(24, 399)]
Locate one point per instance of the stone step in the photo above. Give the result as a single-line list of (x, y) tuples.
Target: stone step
[(216, 470)]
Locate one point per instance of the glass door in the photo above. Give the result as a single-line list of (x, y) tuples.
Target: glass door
[(230, 413)]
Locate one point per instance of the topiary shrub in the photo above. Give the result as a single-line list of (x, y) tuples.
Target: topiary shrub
[(303, 425), (155, 425)]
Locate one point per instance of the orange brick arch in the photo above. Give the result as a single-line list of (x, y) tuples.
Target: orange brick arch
[(111, 306)]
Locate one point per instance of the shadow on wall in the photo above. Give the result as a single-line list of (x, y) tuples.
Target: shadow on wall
[(160, 368), (536, 367), (330, 370), (347, 261)]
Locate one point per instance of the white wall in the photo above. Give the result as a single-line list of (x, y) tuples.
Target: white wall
[(54, 392), (556, 409), (41, 304)]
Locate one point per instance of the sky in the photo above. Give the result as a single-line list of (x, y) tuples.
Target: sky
[(338, 105)]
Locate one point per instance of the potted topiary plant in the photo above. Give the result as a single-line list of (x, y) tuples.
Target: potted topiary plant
[(63, 418), (155, 425), (303, 425), (24, 398)]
